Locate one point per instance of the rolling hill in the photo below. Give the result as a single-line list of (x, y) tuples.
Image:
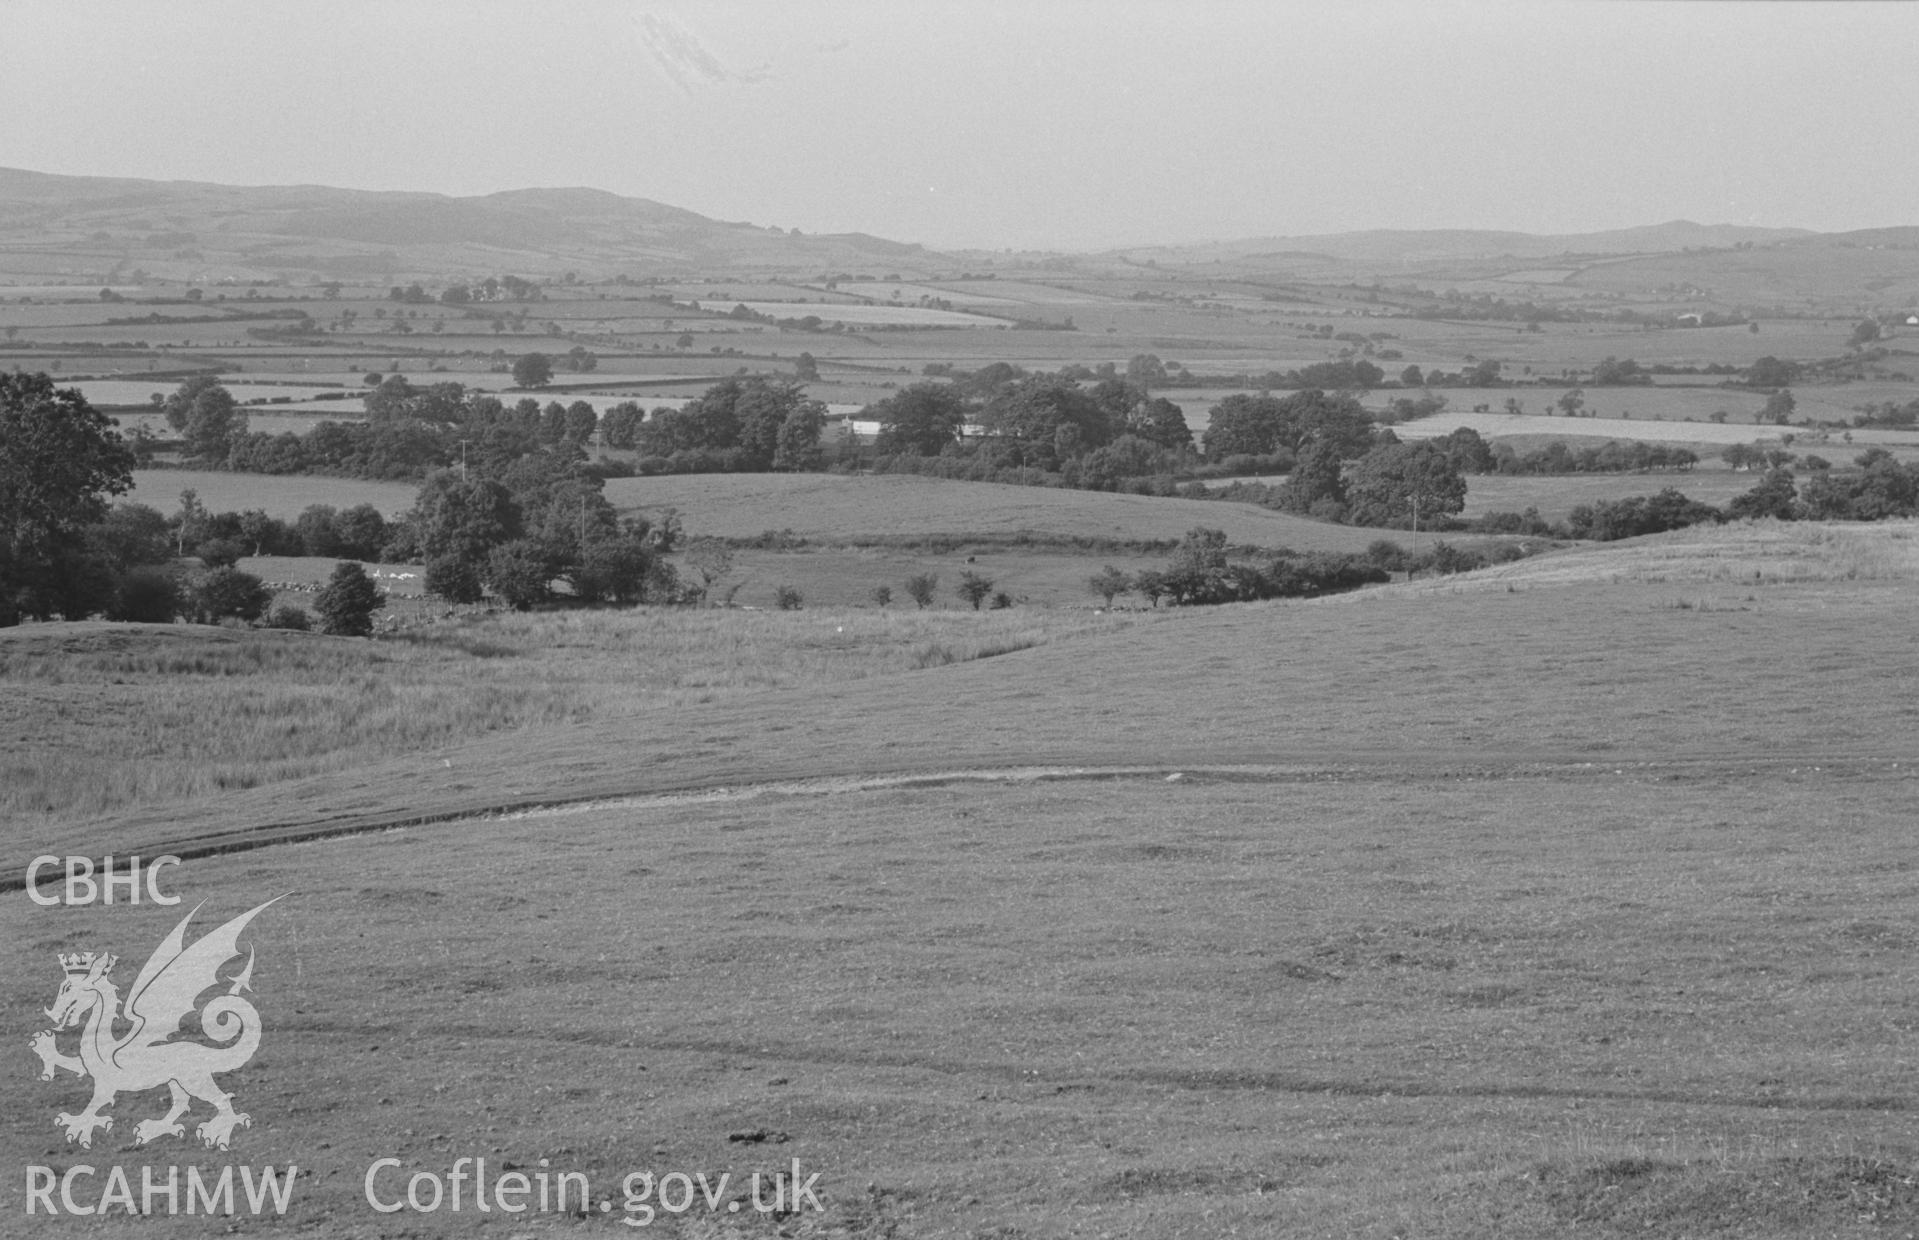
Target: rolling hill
[(60, 225), (108, 227)]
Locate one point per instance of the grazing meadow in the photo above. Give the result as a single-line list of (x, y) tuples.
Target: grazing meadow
[(1485, 906)]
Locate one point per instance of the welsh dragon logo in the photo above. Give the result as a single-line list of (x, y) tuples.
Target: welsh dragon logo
[(145, 1056)]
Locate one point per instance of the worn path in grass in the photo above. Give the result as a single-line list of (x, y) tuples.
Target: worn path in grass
[(1714, 676), (1468, 1004)]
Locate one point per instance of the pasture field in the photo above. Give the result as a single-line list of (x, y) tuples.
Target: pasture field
[(283, 497), (1476, 910), (261, 419), (1706, 438), (105, 718), (104, 392), (844, 577), (1556, 496), (881, 507), (1493, 426)]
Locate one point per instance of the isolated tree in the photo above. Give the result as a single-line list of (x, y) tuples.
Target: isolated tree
[(974, 588), (59, 460), (920, 588), (788, 598), (229, 593), (348, 602), (258, 530), (1109, 582), (710, 559), (288, 617), (533, 370), (206, 415), (882, 594), (1779, 407), (220, 552), (1571, 402), (807, 367), (1865, 333), (1145, 371)]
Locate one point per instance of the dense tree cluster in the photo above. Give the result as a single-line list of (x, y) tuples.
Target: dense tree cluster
[(538, 521), (1880, 488), (1000, 424), (409, 431), (739, 425), (1265, 424), (1202, 571), (1611, 457), (59, 461), (1610, 520)]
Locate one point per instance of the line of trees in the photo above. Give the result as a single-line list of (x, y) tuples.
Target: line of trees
[(1878, 488), (1202, 571)]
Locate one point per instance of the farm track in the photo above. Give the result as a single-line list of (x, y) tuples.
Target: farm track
[(1078, 1077), (1295, 767)]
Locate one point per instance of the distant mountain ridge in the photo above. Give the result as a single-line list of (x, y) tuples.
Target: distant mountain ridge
[(1430, 245), (202, 231), (67, 226)]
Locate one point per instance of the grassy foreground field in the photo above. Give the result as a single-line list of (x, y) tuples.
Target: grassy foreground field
[(1573, 900)]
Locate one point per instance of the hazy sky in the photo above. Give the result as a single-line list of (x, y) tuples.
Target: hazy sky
[(994, 123)]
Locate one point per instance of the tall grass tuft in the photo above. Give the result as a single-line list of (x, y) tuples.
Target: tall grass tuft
[(96, 718)]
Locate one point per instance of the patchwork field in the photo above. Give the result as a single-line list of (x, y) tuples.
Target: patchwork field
[(1572, 897)]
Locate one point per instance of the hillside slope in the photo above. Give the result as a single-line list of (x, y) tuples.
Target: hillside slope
[(198, 231), (1591, 674)]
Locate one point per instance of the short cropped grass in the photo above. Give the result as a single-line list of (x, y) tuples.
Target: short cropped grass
[(1460, 1006)]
